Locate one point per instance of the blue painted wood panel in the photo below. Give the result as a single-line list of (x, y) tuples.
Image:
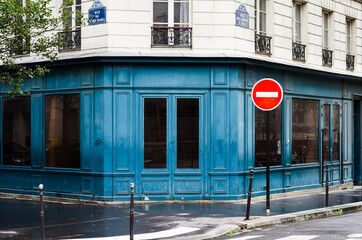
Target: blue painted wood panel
[(86, 131), (37, 131), (123, 127), (220, 130)]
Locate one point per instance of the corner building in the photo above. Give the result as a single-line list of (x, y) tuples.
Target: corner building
[(160, 95)]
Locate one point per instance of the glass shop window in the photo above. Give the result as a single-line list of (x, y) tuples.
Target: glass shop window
[(62, 131), (16, 131), (275, 139), (155, 124), (336, 133), (187, 133), (305, 134), (326, 132)]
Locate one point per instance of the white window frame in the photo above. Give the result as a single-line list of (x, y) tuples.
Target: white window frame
[(260, 24), (76, 6), (326, 25), (349, 36), (297, 35), (171, 13)]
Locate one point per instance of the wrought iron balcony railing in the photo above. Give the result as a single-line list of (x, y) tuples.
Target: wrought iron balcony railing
[(19, 46), (71, 40), (262, 44), (171, 36), (327, 57), (350, 62), (298, 52)]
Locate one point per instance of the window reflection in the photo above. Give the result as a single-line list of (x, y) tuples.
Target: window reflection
[(275, 132), (62, 133), (305, 131), (155, 132), (187, 133), (16, 131), (335, 143), (326, 132)]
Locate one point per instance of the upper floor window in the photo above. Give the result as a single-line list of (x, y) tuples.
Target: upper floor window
[(298, 48), (297, 22), (262, 42), (350, 44), (171, 23), (348, 35), (72, 25), (260, 17), (325, 30)]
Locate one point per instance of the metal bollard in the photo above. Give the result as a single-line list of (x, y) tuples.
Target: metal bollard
[(131, 214), (249, 194), (327, 183), (42, 232)]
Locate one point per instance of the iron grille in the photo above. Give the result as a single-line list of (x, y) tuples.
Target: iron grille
[(71, 40), (327, 57), (171, 36), (262, 44), (298, 52), (350, 62)]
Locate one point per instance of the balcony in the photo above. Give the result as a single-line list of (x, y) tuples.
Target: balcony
[(262, 44), (71, 40), (350, 62), (19, 46), (327, 57), (171, 36), (298, 52)]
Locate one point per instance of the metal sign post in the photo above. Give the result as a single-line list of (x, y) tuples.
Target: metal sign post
[(267, 164), (267, 94)]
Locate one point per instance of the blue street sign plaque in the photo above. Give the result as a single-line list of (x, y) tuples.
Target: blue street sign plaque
[(97, 13), (242, 17)]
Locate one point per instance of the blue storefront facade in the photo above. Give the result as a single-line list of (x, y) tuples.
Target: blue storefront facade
[(179, 128)]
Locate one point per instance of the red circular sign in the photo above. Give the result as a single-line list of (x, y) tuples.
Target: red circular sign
[(267, 94)]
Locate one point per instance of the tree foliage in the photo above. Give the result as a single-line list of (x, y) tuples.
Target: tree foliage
[(30, 28)]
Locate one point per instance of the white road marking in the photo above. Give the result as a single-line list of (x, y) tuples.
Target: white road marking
[(248, 237), (356, 235), (154, 235), (8, 232), (267, 94), (298, 237)]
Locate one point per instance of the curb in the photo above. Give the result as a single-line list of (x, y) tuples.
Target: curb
[(278, 219)]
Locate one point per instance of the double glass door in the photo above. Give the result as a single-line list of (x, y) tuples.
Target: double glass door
[(171, 158), (331, 139)]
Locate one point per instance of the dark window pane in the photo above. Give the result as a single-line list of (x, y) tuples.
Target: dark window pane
[(62, 131), (305, 131), (16, 131), (335, 145), (160, 12), (326, 131), (275, 133), (187, 133), (155, 133)]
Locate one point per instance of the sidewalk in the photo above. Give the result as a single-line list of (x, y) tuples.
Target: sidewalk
[(19, 219)]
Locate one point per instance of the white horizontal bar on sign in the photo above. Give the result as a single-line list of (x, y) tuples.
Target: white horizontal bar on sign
[(267, 94)]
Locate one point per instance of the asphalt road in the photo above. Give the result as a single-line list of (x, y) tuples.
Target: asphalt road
[(343, 227)]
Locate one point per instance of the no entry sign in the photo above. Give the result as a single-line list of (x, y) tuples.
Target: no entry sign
[(267, 94)]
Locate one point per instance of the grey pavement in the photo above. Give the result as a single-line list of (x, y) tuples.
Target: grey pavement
[(19, 219)]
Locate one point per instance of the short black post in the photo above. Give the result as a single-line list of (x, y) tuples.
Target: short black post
[(131, 214), (42, 231), (249, 194), (267, 165), (327, 183)]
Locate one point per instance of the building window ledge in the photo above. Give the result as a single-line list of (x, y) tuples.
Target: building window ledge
[(163, 36), (71, 40), (262, 44), (350, 62), (298, 52), (327, 56)]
